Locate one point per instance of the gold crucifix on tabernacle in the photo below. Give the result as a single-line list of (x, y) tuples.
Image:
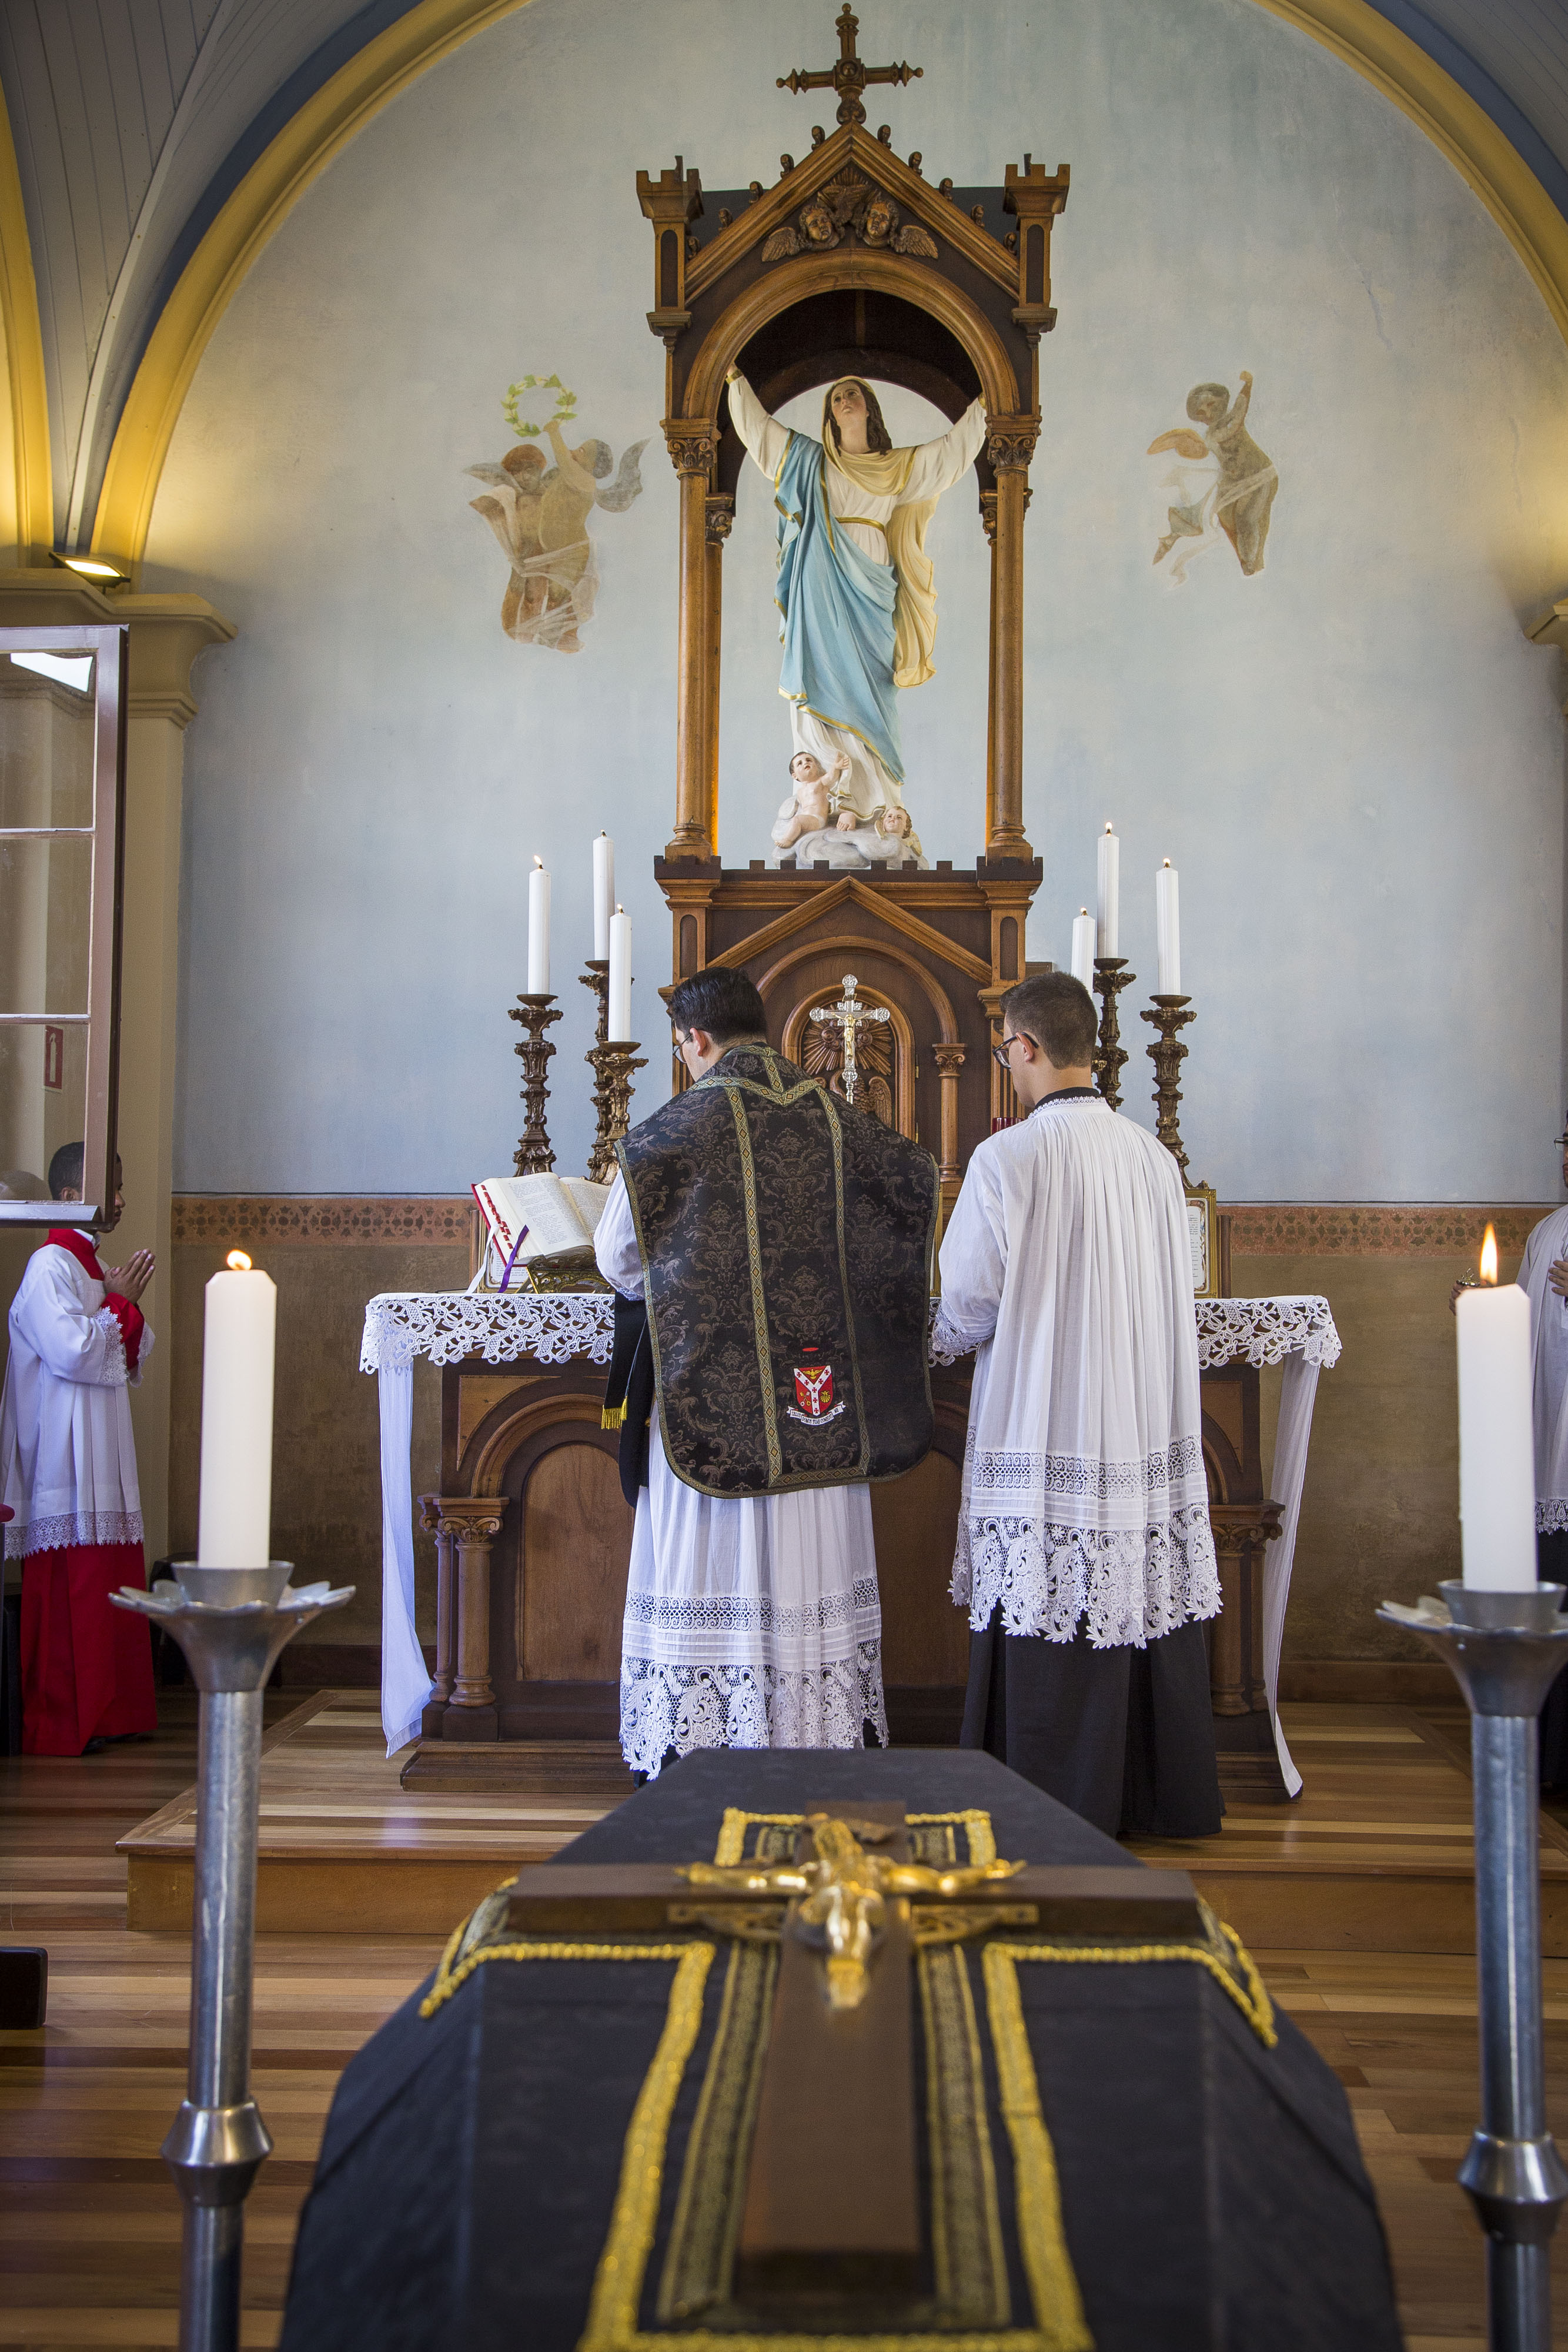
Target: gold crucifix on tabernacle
[(849, 1015), (849, 77)]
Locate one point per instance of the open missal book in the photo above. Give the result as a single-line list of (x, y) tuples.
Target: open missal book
[(540, 1231)]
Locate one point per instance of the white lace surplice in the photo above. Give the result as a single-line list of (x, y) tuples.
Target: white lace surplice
[(67, 1459), (1548, 1336), (1066, 1263), (752, 1623)]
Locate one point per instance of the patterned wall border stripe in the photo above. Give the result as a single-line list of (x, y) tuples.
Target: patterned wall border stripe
[(211, 1221), (1379, 1228)]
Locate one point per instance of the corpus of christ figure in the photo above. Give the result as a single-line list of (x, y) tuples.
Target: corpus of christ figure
[(855, 587)]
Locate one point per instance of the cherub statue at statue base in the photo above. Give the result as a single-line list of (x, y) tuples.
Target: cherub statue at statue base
[(816, 827)]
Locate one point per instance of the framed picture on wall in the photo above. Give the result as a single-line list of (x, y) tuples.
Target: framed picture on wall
[(1203, 1234)]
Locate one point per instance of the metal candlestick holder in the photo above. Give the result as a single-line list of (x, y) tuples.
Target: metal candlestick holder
[(534, 1156), (1111, 976), (612, 1067), (597, 977), (1168, 1054), (1505, 1650), (232, 1624)]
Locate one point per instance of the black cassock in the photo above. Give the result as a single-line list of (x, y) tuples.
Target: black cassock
[(1212, 2194)]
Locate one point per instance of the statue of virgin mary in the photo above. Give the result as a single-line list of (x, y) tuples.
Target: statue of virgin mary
[(856, 587)]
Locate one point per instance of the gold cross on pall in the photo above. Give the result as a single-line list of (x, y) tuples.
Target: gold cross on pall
[(849, 77)]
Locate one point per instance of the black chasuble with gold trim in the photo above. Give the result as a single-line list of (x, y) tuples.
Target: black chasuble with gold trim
[(787, 1242)]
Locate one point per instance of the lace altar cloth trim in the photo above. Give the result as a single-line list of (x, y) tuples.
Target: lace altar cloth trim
[(501, 1327), (685, 1707), (1126, 1588), (736, 1613), (26, 1537), (554, 1326), (1551, 1516)]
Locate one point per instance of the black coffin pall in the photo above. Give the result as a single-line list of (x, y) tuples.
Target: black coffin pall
[(479, 2160)]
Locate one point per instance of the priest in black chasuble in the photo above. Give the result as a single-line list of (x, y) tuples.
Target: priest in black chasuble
[(771, 1248), (1085, 1556)]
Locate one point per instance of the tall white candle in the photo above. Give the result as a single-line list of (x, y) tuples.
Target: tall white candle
[(538, 930), (1167, 931), (1083, 947), (1108, 878), (1496, 1450), (620, 977), (234, 1524), (603, 894)]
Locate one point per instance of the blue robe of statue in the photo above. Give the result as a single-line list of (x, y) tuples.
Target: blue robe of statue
[(838, 608)]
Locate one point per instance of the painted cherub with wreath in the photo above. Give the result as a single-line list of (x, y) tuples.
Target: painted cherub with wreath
[(540, 516)]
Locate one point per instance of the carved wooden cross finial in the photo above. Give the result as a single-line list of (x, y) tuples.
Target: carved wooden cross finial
[(849, 77)]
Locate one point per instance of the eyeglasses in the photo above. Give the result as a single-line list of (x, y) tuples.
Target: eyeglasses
[(1000, 1053)]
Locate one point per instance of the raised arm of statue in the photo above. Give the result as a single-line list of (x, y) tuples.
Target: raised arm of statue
[(764, 439), (938, 463)]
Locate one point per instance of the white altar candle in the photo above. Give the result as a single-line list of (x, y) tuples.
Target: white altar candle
[(1108, 877), (603, 894), (1167, 931), (620, 977), (1497, 1449), (1083, 947), (234, 1523), (538, 930)]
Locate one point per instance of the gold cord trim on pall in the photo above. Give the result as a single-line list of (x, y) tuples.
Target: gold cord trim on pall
[(1042, 2242), (446, 1984), (1251, 1998)]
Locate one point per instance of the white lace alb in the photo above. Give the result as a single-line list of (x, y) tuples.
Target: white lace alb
[(26, 1537), (683, 1707), (1125, 1589)]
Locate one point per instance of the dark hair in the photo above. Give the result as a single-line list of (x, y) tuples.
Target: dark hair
[(877, 436), (1058, 1013), (65, 1167), (723, 1002)]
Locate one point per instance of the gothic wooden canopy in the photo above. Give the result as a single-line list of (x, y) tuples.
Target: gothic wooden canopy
[(851, 263)]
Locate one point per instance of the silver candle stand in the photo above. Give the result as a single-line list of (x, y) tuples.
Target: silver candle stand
[(232, 1624), (1505, 1650)]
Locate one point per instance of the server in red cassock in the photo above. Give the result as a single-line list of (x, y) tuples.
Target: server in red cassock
[(67, 1470)]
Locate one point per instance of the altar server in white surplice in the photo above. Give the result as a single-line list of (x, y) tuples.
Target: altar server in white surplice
[(1085, 1558), (752, 1615)]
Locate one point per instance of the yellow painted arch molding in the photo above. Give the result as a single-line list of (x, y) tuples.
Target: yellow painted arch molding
[(1351, 28), (263, 200), (29, 387)]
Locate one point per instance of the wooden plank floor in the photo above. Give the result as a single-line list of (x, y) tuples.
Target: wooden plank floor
[(90, 2225), (342, 1845)]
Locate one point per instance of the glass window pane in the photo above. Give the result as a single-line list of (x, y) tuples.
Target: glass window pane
[(43, 1102), (47, 737), (46, 914)]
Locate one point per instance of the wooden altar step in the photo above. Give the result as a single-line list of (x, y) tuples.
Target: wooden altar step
[(1376, 1856), (343, 1848)]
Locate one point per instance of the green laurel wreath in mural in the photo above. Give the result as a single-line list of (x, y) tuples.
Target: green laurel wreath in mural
[(565, 404)]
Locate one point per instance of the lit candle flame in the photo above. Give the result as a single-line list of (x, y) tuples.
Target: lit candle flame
[(240, 1262), (1109, 826), (1489, 1257), (538, 861), (1167, 864)]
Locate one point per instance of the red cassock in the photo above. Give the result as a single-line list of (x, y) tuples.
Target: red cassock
[(68, 1466)]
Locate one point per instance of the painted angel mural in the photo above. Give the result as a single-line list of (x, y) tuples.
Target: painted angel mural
[(540, 514), (1233, 496)]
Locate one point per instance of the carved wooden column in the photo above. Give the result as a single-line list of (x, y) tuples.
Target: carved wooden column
[(1010, 448), (720, 515), (1236, 1677), (474, 1521), (691, 445), (439, 1698), (949, 1061), (988, 520)]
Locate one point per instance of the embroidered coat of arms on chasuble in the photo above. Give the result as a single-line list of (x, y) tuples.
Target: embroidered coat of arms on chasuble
[(787, 1242)]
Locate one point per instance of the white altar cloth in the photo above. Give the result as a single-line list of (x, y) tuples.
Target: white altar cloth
[(502, 1326)]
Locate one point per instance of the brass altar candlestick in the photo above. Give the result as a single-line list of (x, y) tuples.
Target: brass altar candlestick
[(534, 1156), (1168, 1054), (614, 1064), (1111, 976), (597, 977)]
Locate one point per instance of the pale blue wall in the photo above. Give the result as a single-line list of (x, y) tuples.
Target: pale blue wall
[(1356, 759)]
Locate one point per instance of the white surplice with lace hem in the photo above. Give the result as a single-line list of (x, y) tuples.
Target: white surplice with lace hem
[(67, 1457), (752, 1622), (1549, 1341), (1066, 1265)]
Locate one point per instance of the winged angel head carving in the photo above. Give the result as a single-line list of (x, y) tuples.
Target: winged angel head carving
[(846, 208), (1235, 493), (540, 514)]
